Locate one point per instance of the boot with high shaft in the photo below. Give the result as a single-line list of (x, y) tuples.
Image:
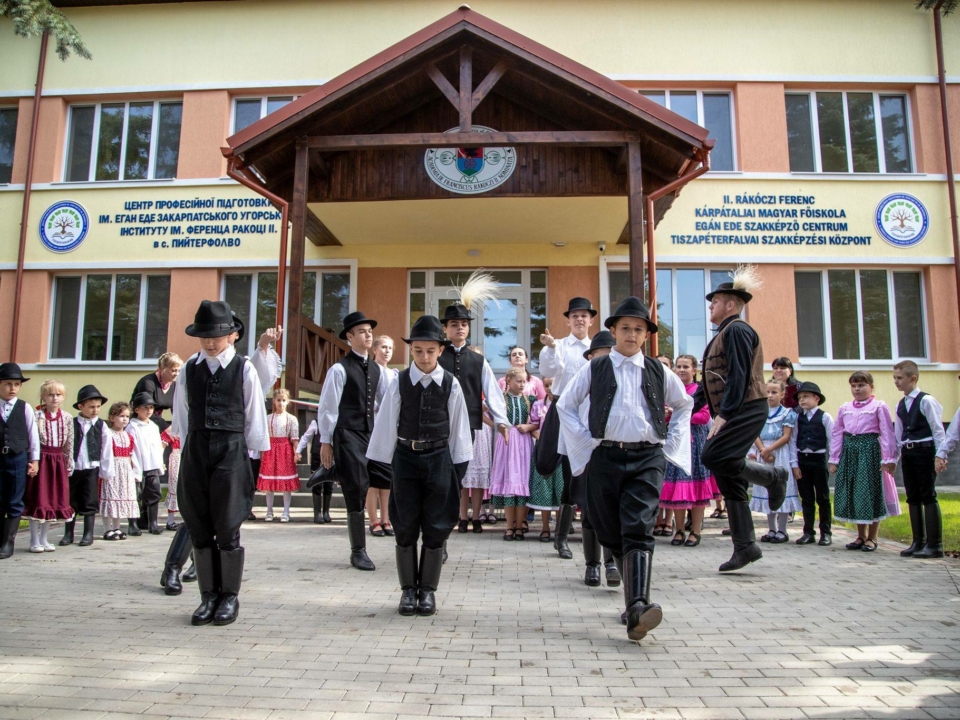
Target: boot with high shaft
[(318, 508), (591, 556), (745, 549), (934, 524), (154, 526), (358, 543), (774, 479), (68, 528), (642, 615), (177, 555), (89, 523), (208, 580), (917, 529), (407, 573), (8, 535), (564, 523), (231, 576), (326, 507), (431, 563)]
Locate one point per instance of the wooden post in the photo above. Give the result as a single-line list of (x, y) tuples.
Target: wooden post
[(298, 217), (635, 218), (466, 89)]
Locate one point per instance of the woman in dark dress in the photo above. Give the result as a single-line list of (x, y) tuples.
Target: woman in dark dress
[(160, 386), (783, 371)]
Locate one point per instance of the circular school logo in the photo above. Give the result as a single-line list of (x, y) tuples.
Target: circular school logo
[(902, 220), (470, 170), (64, 226)]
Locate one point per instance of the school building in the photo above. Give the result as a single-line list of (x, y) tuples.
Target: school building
[(826, 169)]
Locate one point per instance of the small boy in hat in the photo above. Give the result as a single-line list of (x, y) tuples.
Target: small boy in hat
[(809, 450), (19, 453), (626, 440), (219, 415), (918, 424), (148, 448), (92, 460), (424, 432), (351, 392)]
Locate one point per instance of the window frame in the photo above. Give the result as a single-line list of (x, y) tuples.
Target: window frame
[(95, 141), (82, 318), (700, 116), (16, 130), (878, 125), (892, 313), (263, 107)]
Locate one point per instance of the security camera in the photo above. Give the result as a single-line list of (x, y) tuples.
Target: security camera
[(603, 247)]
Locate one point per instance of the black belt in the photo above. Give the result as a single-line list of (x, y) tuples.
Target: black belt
[(423, 445), (629, 445), (910, 445)]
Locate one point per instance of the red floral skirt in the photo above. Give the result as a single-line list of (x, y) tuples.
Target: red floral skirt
[(47, 496), (278, 471)]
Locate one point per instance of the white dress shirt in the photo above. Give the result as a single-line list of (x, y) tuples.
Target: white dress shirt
[(951, 437), (629, 419), (305, 439), (328, 412), (255, 431), (383, 441), (84, 461), (931, 410), (828, 426), (492, 393), (147, 445), (33, 435), (563, 361), (268, 366)]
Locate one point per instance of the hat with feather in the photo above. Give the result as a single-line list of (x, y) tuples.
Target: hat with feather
[(745, 281), (474, 293)]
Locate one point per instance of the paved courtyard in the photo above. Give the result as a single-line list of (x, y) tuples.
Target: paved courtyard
[(807, 632)]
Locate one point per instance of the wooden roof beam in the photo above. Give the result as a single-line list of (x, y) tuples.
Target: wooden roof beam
[(318, 233), (486, 85), (444, 85), (557, 138)]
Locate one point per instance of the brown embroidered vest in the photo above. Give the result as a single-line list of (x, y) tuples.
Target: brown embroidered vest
[(715, 372)]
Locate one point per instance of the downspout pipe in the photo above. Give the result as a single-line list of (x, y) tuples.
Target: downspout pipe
[(951, 183), (686, 177), (27, 191)]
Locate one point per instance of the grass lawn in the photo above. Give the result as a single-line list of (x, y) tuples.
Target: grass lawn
[(898, 528)]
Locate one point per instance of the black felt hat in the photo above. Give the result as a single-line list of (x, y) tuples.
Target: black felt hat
[(352, 320), (214, 319), (241, 330), (11, 371), (579, 303), (141, 399), (728, 289), (457, 311), (88, 392), (813, 389), (428, 328), (603, 339), (631, 307)]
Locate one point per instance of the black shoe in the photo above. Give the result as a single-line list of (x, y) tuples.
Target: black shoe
[(591, 576), (358, 544), (745, 548), (133, 529), (934, 525), (171, 526), (177, 555), (806, 539), (89, 522), (592, 552), (152, 520), (67, 538), (8, 535), (190, 574), (231, 576), (208, 578), (407, 572), (431, 563), (918, 531), (251, 517), (564, 521), (611, 571), (826, 539), (642, 615)]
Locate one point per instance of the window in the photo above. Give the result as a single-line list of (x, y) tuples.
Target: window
[(8, 138), (712, 110), (246, 111), (119, 317), (847, 314), (253, 297), (859, 132), (123, 141)]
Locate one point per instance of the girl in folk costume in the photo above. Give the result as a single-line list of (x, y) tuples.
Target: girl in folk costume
[(278, 465), (173, 476), (773, 448), (863, 446), (691, 491), (378, 495), (118, 490), (533, 385), (545, 492), (48, 494), (510, 478)]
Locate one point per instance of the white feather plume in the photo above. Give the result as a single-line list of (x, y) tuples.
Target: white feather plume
[(747, 278), (479, 288)]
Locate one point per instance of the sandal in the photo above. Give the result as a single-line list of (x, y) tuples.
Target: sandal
[(678, 538), (462, 528), (545, 536), (510, 535), (376, 530), (518, 534), (524, 526), (387, 529), (690, 540), (867, 548), (856, 544), (658, 529), (716, 514), (493, 518)]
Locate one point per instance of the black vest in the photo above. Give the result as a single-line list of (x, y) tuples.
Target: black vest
[(93, 439), (915, 425), (467, 367), (215, 401), (14, 430), (811, 434), (423, 410), (359, 394), (603, 387)]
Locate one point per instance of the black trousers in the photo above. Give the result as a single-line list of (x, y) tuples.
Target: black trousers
[(725, 453), (218, 496), (350, 456), (151, 493), (622, 497), (13, 483), (574, 490), (814, 491), (425, 497), (85, 491), (919, 474)]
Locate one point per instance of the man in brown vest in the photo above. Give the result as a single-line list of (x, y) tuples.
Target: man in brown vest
[(733, 387)]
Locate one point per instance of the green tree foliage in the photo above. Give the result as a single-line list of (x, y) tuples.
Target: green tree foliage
[(35, 17), (948, 6)]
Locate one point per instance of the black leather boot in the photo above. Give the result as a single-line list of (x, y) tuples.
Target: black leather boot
[(318, 508), (934, 524), (89, 521), (564, 522), (431, 563), (610, 568), (68, 527), (154, 526), (917, 529), (208, 579), (190, 574), (774, 479), (8, 535), (642, 615), (745, 549), (358, 543), (231, 576), (133, 528), (407, 572), (177, 555), (326, 507), (591, 555), (618, 561)]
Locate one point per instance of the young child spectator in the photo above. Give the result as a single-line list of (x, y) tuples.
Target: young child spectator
[(510, 477), (92, 456), (862, 447), (173, 477), (278, 465), (773, 447), (118, 489), (545, 492), (322, 492), (809, 450), (476, 483), (20, 456), (148, 448)]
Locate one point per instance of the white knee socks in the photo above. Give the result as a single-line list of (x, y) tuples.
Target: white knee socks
[(286, 503), (269, 503)]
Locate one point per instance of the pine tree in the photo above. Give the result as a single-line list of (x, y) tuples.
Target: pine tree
[(948, 6), (35, 17)]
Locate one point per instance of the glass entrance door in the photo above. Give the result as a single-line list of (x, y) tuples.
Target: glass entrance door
[(496, 328)]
